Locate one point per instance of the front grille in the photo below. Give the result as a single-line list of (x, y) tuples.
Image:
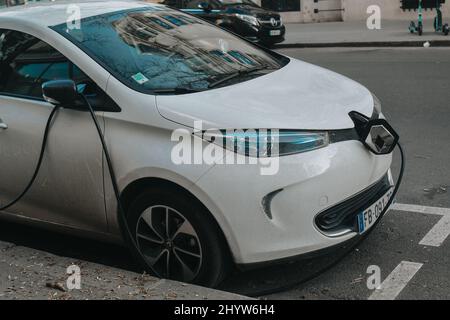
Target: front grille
[(266, 20), (343, 215), (268, 23)]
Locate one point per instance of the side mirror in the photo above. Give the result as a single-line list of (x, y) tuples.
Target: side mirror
[(66, 94), (205, 6), (60, 92)]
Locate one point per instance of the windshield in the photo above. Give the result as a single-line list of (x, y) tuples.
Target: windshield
[(156, 48)]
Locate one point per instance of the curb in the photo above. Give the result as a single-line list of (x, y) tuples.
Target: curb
[(375, 44), (27, 273)]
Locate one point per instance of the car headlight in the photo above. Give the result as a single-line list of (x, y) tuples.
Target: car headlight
[(281, 21), (267, 143), (250, 19)]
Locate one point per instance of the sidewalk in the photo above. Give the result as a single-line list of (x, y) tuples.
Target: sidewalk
[(31, 274), (356, 34)]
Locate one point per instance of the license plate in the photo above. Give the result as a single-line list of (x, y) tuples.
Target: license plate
[(275, 32), (368, 217)]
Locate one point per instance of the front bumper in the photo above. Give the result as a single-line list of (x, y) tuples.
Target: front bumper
[(336, 251), (263, 33), (342, 218), (306, 185)]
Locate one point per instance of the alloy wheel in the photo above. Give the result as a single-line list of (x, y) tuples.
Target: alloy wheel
[(169, 243)]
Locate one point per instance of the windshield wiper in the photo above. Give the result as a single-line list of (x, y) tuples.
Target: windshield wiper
[(182, 90), (236, 74), (177, 90)]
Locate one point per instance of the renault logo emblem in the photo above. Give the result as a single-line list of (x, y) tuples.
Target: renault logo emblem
[(379, 137), (376, 134), (274, 22)]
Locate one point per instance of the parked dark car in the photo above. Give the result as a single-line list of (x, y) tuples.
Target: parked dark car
[(243, 17)]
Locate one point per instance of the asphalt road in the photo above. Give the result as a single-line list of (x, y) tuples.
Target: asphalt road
[(414, 87)]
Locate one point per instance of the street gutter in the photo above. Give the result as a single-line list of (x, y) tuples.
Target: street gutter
[(373, 44)]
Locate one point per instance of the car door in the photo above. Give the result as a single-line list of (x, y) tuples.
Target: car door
[(69, 187)]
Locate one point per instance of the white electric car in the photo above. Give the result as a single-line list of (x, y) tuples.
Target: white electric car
[(298, 161)]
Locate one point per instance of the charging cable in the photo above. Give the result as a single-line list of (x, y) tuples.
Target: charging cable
[(128, 235), (402, 170), (39, 163)]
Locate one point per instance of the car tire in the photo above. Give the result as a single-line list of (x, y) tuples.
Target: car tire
[(412, 27), (197, 254)]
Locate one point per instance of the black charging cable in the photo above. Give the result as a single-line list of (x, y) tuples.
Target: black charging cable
[(39, 163), (402, 171), (128, 235)]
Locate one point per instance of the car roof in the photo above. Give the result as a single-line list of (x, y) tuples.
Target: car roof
[(50, 13)]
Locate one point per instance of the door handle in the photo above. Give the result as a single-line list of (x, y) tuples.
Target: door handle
[(3, 125)]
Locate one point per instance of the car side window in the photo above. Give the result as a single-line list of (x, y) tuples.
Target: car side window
[(27, 62)]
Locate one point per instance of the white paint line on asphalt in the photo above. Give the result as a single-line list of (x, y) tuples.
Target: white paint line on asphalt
[(396, 281), (421, 209), (438, 233)]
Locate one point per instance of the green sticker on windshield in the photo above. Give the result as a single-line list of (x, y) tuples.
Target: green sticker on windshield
[(140, 78)]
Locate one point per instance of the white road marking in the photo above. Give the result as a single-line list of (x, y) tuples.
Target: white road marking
[(396, 281), (393, 285), (421, 209), (438, 234)]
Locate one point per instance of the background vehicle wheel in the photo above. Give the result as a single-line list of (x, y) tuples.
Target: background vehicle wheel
[(178, 237), (412, 27)]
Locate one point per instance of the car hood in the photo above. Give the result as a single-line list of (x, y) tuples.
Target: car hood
[(298, 96)]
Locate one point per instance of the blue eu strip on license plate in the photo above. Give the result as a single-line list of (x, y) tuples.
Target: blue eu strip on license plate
[(367, 218), (361, 222)]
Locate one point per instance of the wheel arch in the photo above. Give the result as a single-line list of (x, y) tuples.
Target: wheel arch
[(139, 185)]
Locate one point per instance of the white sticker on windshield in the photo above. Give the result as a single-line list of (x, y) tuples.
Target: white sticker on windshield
[(140, 78)]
